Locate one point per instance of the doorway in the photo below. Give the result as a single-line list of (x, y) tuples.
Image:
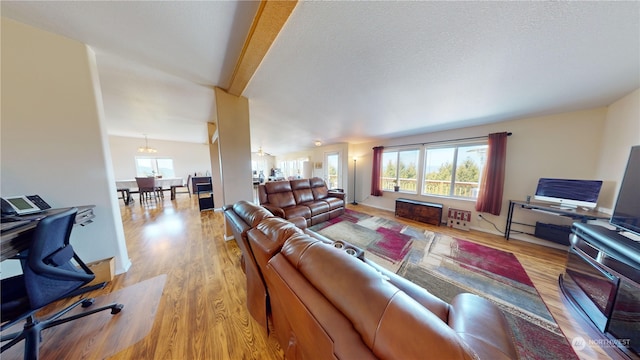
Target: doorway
[(333, 170)]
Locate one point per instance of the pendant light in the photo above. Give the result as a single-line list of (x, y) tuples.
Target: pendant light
[(146, 148)]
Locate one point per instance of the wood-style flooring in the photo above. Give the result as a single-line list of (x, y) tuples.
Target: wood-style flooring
[(203, 315)]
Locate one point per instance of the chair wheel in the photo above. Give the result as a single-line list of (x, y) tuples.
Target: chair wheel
[(88, 302), (116, 309)]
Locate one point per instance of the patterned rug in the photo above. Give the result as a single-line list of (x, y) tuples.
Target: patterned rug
[(387, 242), (447, 266)]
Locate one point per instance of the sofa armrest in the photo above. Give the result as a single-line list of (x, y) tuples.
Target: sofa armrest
[(274, 210), (299, 221), (483, 327), (263, 247), (337, 194), (238, 225)]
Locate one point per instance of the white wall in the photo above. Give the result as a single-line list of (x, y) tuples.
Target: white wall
[(564, 145), (589, 144), (621, 131), (53, 141), (188, 158)]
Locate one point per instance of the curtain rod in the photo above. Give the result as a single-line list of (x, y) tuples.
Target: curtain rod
[(443, 141)]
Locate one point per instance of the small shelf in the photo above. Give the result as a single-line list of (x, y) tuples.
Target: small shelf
[(204, 192)]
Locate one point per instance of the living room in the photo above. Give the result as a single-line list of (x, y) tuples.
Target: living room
[(45, 149)]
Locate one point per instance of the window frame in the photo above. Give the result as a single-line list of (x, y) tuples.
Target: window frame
[(398, 152), (455, 165), (155, 169)]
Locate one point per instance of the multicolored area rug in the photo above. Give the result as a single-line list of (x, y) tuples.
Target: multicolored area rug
[(387, 242), (447, 266)]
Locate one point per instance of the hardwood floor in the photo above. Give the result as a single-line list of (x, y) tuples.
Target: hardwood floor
[(203, 315)]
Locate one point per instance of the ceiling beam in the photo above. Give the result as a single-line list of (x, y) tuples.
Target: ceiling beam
[(270, 18)]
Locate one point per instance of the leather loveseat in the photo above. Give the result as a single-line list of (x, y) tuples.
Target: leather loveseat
[(327, 304), (308, 198)]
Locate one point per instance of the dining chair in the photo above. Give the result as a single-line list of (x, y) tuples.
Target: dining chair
[(147, 188), (174, 188)]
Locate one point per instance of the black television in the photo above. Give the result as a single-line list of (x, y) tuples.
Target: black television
[(626, 213), (569, 193)]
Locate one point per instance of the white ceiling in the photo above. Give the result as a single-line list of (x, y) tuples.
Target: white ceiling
[(350, 71)]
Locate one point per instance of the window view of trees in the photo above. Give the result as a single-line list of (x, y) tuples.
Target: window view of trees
[(440, 170), (449, 170), (400, 168)]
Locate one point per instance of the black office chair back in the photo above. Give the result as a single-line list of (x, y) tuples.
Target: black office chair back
[(49, 273)]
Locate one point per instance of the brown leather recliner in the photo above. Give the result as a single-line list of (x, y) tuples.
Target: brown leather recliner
[(309, 198), (326, 304), (241, 217)]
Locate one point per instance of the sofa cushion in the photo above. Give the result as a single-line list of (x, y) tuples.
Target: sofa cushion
[(279, 194), (317, 207), (334, 202), (298, 184), (297, 210), (301, 191), (319, 188), (250, 213)]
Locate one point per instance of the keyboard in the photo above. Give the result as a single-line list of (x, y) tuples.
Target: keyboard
[(6, 226)]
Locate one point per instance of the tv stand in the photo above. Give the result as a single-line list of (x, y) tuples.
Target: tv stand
[(577, 214), (602, 282)]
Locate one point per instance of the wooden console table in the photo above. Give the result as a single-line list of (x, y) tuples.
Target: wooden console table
[(426, 212)]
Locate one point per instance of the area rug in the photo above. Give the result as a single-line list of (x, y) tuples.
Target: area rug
[(447, 266), (387, 242)]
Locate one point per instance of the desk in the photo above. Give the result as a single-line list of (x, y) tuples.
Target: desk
[(19, 239), (576, 214), (126, 185)]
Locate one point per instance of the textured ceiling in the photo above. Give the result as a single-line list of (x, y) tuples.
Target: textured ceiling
[(350, 71)]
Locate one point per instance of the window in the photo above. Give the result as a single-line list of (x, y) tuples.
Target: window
[(292, 169), (400, 168), (146, 166), (454, 170)]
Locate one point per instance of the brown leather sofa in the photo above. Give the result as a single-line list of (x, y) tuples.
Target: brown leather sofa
[(327, 304), (240, 218), (308, 198)]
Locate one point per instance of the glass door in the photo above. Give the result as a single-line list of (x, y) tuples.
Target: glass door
[(333, 170)]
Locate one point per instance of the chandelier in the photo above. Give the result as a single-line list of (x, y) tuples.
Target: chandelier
[(146, 148)]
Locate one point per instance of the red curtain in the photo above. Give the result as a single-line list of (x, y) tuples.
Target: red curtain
[(376, 189), (492, 183)]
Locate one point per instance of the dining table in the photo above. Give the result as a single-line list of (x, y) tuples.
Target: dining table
[(126, 187)]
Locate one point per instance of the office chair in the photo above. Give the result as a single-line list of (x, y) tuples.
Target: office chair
[(48, 275)]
